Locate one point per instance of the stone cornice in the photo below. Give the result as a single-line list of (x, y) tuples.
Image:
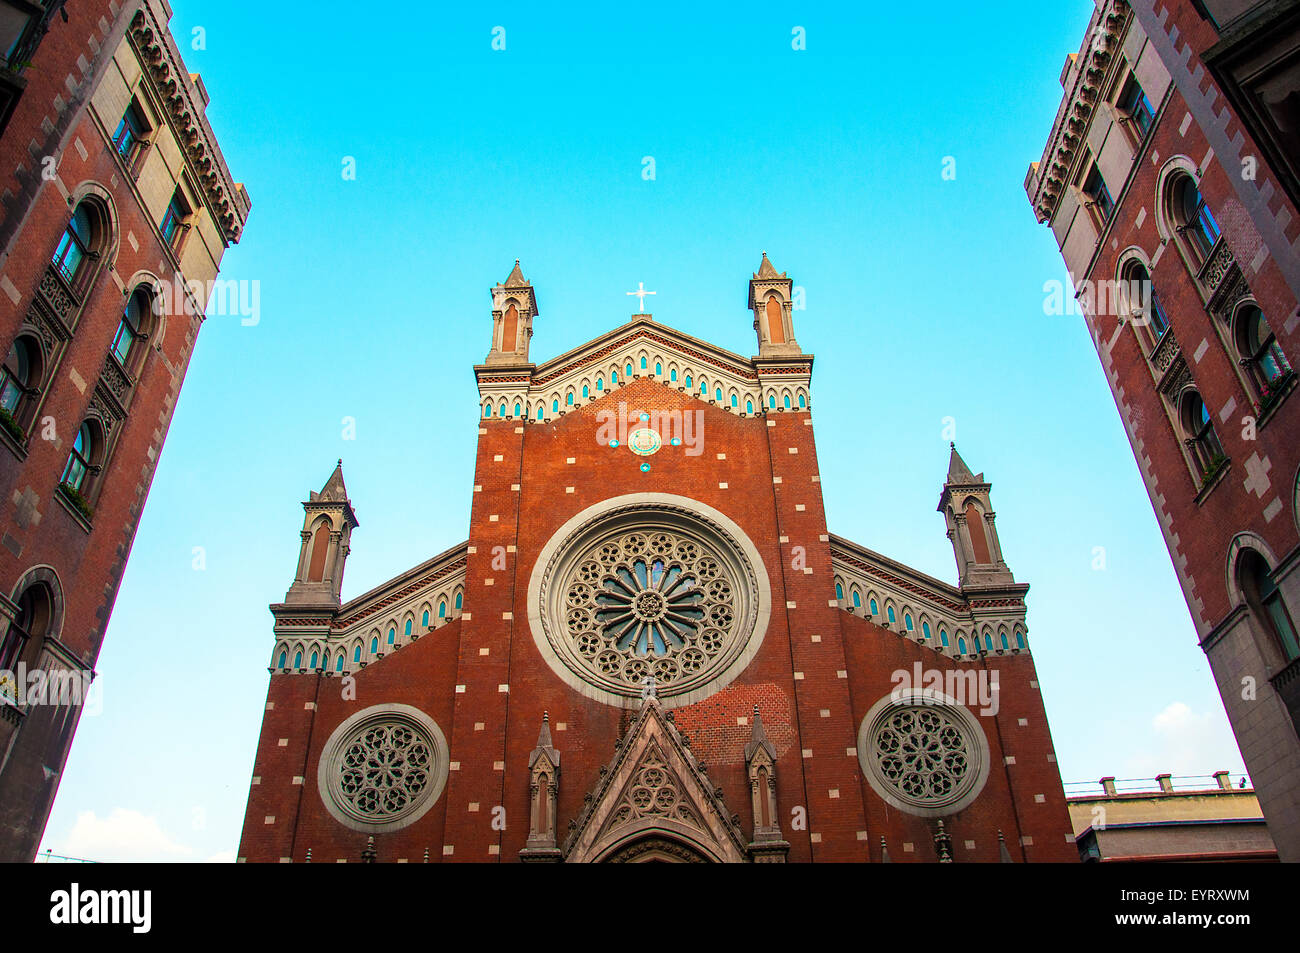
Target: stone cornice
[(1069, 131), (170, 82)]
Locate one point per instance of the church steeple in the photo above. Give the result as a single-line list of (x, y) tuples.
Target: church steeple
[(514, 305), (326, 537), (967, 506), (771, 299)]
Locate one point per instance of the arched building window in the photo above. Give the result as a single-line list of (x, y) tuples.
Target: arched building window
[(1192, 217), (1259, 351), (1265, 602), (31, 624), (1198, 434)]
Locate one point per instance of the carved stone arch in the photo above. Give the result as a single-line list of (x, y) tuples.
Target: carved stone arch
[(101, 200), (1240, 542), (872, 596), (1173, 167), (904, 612), (158, 291), (375, 638), (282, 650), (47, 576)]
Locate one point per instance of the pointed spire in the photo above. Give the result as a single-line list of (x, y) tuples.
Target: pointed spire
[(758, 739), (958, 472), (544, 736), (516, 278), (1004, 855), (545, 747), (334, 490), (766, 270)]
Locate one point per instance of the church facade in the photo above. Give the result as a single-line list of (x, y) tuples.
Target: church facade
[(651, 647)]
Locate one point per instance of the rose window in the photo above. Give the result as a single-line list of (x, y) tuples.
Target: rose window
[(381, 769), (923, 753), (646, 597)]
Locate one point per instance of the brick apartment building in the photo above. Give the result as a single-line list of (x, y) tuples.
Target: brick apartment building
[(116, 208), (651, 647), (1169, 181)]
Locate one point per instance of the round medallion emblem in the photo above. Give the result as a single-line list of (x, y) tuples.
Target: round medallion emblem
[(644, 442)]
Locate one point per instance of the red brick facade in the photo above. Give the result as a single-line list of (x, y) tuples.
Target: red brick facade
[(483, 680)]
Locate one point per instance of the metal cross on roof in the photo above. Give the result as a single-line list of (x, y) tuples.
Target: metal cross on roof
[(640, 294)]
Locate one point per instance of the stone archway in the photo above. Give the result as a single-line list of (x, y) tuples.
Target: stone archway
[(656, 849)]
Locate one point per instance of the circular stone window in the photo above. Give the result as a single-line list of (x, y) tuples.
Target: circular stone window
[(923, 753), (383, 768), (649, 589)]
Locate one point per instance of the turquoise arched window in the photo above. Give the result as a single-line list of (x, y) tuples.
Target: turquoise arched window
[(424, 620), (297, 660), (409, 623), (889, 610), (988, 642), (315, 657), (459, 596), (704, 387), (442, 610), (659, 369), (1020, 641), (518, 409), (555, 406), (568, 399), (943, 638), (735, 401), (487, 411), (771, 401), (717, 395), (961, 646), (857, 600), (374, 644), (392, 635), (643, 363), (874, 610), (839, 591), (628, 370), (907, 621), (586, 392), (1002, 637), (613, 377), (689, 383), (925, 629), (284, 658), (503, 408), (338, 665), (600, 383), (539, 411), (787, 401), (672, 375), (803, 402), (749, 406), (356, 654)]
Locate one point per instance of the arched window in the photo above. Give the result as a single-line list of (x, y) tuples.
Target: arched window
[(704, 387), (374, 645), (659, 369), (600, 383), (586, 392), (874, 610), (487, 411), (857, 600), (356, 654), (540, 411), (19, 377), (503, 408), (133, 326), (839, 590), (30, 625), (717, 395), (1266, 603), (86, 451), (1198, 433), (771, 401), (338, 664), (510, 329), (1002, 636), (1192, 217), (749, 406), (459, 597), (1020, 640), (442, 609), (961, 646), (1139, 299), (284, 660), (643, 363), (392, 635), (319, 547), (297, 659), (555, 406), (943, 638), (569, 399), (613, 377), (408, 627), (803, 402), (315, 657), (988, 642), (518, 408), (1259, 351), (925, 630), (787, 401), (775, 324), (889, 610), (907, 621), (672, 375), (76, 247), (628, 370), (689, 383), (424, 619)]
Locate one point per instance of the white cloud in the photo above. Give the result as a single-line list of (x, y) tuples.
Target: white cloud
[(1184, 743), (123, 836)]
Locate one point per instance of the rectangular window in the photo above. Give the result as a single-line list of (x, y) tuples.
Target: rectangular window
[(1135, 106), (129, 136), (1094, 187), (173, 224)]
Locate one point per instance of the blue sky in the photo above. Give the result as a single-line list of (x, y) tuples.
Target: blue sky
[(924, 301)]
